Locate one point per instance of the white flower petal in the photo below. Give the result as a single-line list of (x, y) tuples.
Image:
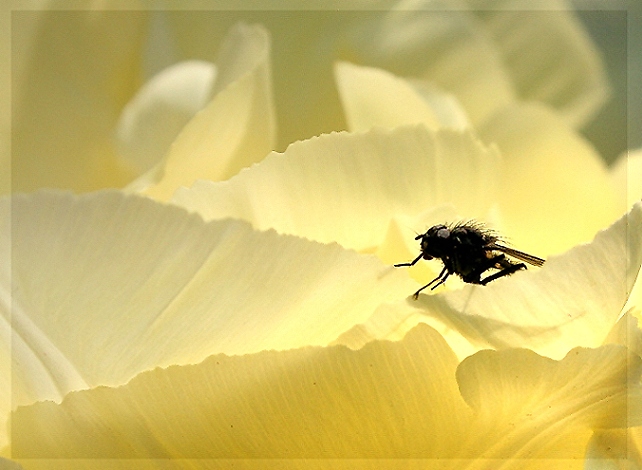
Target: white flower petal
[(373, 97), (345, 187), (387, 400), (549, 54), (237, 128), (555, 190), (107, 285), (626, 173), (529, 407), (442, 42), (573, 300), (627, 179), (158, 112)]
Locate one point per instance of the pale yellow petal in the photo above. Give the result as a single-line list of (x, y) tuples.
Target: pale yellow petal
[(446, 106), (395, 400), (555, 190), (549, 54), (387, 400), (442, 42), (236, 129), (409, 43), (575, 299), (158, 112), (345, 187), (305, 42), (393, 320), (616, 449), (634, 303), (627, 332), (530, 407), (82, 67), (106, 285), (374, 97)]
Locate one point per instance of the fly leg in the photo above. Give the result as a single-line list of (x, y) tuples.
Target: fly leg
[(499, 262), (443, 275), (412, 263), (507, 271), (474, 276)]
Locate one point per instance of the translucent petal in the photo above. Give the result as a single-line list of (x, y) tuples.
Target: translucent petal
[(555, 189), (373, 97), (386, 400), (395, 400), (158, 112), (106, 285), (615, 448), (306, 45), (573, 300), (237, 128), (627, 332), (627, 176), (527, 406), (549, 54), (345, 187), (442, 42)]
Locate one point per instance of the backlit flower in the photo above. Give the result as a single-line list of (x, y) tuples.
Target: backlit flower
[(221, 300)]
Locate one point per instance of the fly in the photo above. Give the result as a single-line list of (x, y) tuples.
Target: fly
[(468, 250)]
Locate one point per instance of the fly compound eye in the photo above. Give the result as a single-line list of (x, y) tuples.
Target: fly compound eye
[(443, 233)]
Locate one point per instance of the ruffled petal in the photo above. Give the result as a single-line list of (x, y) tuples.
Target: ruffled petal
[(387, 400), (531, 407), (106, 285), (346, 187), (575, 299)]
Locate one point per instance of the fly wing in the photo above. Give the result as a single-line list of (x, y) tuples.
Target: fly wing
[(520, 255)]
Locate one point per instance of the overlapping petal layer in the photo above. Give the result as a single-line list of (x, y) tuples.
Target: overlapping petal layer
[(236, 129), (346, 187), (107, 285), (555, 191), (160, 109), (574, 300), (388, 400), (374, 97), (548, 176), (548, 54)]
